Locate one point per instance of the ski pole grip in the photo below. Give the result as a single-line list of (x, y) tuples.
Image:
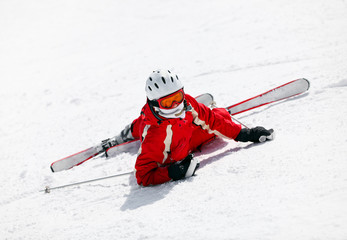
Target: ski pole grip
[(270, 137)]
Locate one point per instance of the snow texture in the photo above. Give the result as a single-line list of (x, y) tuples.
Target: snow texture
[(72, 73)]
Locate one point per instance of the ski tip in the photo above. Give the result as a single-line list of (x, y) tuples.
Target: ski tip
[(308, 83), (204, 94), (211, 96)]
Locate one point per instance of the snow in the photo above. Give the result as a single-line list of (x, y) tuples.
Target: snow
[(72, 73)]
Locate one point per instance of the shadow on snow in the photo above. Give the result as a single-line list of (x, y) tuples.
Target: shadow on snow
[(141, 196)]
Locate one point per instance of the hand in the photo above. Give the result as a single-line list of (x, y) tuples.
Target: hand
[(184, 168), (264, 138), (257, 134), (262, 135)]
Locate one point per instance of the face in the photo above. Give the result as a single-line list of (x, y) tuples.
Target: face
[(172, 106)]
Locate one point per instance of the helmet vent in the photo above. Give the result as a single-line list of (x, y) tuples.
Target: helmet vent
[(149, 88), (150, 79), (172, 80), (156, 85), (169, 71), (162, 78), (177, 77)]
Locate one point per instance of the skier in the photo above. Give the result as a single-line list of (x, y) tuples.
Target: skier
[(173, 125)]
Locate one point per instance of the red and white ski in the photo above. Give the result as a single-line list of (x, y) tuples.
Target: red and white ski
[(75, 159), (282, 92)]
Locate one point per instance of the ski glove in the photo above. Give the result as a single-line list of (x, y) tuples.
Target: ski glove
[(257, 134), (184, 168)]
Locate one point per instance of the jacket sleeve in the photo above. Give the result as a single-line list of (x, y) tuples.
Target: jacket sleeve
[(216, 121), (152, 155)]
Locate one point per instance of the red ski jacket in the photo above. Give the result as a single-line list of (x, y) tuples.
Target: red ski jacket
[(166, 141)]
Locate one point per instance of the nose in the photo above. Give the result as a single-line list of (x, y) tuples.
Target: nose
[(175, 104)]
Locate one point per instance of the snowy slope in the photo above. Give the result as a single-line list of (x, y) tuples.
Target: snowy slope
[(72, 73)]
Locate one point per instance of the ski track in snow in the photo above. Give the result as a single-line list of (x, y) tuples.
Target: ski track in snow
[(72, 74)]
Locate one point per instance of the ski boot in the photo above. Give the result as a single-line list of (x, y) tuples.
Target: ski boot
[(124, 136)]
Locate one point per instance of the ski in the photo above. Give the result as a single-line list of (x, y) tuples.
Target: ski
[(282, 92), (75, 159), (89, 153)]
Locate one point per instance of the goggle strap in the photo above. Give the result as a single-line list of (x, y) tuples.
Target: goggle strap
[(153, 103), (150, 104)]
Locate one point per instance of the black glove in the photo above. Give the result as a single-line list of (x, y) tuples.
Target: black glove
[(257, 134), (184, 168)]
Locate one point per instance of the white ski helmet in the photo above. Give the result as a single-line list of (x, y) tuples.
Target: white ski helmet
[(162, 83)]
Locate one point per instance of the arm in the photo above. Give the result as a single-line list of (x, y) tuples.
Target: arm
[(150, 168), (219, 122), (151, 165), (216, 121)]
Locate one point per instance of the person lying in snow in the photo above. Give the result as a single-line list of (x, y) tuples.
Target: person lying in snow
[(173, 125)]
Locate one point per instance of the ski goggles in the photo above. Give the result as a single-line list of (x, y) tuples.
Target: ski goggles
[(172, 100)]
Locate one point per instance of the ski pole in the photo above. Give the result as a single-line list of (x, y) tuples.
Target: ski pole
[(239, 121), (48, 189), (236, 120)]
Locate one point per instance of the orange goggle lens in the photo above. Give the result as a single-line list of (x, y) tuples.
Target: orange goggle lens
[(171, 100)]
